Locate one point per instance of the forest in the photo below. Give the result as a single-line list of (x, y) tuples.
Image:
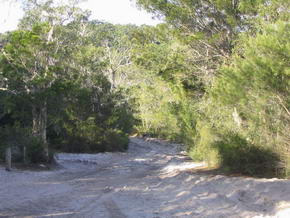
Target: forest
[(214, 76)]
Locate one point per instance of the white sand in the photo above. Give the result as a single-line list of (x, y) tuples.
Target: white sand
[(153, 179)]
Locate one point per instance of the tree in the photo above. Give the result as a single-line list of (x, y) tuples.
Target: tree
[(114, 40), (162, 72), (211, 27), (35, 58)]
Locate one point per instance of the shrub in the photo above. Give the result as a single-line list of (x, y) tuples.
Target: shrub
[(115, 140), (202, 148), (237, 155), (248, 104), (34, 150)]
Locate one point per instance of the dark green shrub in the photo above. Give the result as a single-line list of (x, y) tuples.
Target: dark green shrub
[(115, 140), (237, 155), (84, 123), (251, 96), (34, 150), (77, 144)]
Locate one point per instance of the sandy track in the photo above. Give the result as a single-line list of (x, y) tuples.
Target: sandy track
[(152, 179)]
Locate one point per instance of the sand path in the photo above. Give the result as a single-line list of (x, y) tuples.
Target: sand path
[(153, 179)]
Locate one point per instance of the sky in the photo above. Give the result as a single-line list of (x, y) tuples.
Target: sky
[(10, 13), (113, 11)]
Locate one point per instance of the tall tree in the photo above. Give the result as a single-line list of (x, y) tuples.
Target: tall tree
[(38, 56), (211, 27)]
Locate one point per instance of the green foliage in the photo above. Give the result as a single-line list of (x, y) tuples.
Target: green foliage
[(82, 129), (165, 82), (158, 52), (115, 140), (217, 21), (252, 97), (237, 155), (201, 147), (153, 109), (34, 150), (263, 67), (214, 77), (61, 70)]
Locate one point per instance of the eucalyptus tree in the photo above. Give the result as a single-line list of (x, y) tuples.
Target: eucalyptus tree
[(40, 55), (211, 27), (115, 41), (218, 19)]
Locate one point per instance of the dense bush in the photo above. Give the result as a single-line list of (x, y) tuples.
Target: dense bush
[(34, 150), (235, 153), (221, 87), (240, 156), (115, 140), (200, 145), (82, 123), (154, 103), (98, 140), (246, 117)]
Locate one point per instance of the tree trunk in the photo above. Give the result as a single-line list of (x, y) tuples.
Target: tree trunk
[(113, 79), (24, 155), (39, 117), (8, 158)]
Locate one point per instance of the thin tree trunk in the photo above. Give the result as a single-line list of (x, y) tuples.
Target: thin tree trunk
[(39, 114), (43, 128), (8, 158), (24, 155), (113, 79)]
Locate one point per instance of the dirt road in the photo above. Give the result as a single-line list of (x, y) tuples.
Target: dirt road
[(152, 179)]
